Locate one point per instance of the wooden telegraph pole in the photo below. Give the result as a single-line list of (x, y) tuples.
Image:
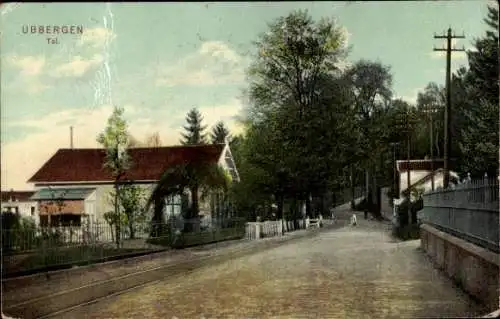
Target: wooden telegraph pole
[(430, 110), (447, 111)]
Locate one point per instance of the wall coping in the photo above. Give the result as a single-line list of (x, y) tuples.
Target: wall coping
[(475, 250)]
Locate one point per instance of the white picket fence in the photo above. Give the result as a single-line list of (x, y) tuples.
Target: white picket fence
[(258, 230)]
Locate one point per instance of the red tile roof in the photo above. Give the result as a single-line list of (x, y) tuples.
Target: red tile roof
[(17, 196), (148, 164)]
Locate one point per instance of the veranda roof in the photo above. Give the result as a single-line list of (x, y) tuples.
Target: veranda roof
[(62, 194)]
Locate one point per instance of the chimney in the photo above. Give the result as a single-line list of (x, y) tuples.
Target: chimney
[(71, 136)]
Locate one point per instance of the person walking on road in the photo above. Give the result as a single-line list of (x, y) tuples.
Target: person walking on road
[(332, 214)]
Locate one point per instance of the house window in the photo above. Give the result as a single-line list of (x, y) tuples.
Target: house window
[(32, 210)]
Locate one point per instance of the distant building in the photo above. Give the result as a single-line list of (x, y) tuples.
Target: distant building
[(422, 173), (20, 202)]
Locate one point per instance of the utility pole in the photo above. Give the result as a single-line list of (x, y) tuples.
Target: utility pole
[(408, 172), (71, 137), (447, 111), (430, 110)]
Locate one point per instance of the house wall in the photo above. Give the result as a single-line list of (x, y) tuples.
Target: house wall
[(24, 208), (98, 203)]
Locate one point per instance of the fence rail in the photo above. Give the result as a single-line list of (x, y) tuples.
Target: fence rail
[(468, 211), (257, 230), (30, 249)]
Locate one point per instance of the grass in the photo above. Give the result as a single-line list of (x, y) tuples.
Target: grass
[(208, 237), (64, 257), (42, 260), (199, 238)]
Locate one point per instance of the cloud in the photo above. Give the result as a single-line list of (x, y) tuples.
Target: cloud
[(411, 97), (28, 65), (96, 37), (227, 113), (30, 69), (215, 63), (20, 159), (77, 67)]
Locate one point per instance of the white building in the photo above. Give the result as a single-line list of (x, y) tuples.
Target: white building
[(423, 173), (20, 202)]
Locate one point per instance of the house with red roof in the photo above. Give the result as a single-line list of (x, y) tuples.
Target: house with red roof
[(74, 183)]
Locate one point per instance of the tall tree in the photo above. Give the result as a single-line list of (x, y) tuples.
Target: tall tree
[(115, 140), (371, 90), (431, 103), (292, 58), (194, 129), (219, 133), (479, 138)]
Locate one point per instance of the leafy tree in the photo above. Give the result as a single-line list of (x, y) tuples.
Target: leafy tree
[(431, 104), (219, 133), (194, 130), (479, 138), (115, 140), (115, 220), (132, 201), (292, 58), (371, 93)]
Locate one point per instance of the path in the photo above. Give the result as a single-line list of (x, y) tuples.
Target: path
[(351, 272)]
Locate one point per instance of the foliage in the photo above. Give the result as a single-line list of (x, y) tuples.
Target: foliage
[(219, 133), (286, 153), (479, 136), (115, 139), (132, 200), (194, 130), (475, 108), (113, 219)]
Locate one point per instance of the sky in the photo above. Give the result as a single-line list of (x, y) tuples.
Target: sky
[(159, 60)]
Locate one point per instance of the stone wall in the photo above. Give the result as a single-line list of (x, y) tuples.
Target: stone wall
[(473, 268)]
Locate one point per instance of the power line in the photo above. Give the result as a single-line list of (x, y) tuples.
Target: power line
[(447, 111)]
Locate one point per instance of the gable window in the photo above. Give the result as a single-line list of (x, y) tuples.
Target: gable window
[(32, 210)]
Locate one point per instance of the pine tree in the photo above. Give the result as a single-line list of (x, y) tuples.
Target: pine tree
[(194, 130), (219, 133)]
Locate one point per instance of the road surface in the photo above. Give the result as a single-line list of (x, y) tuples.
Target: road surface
[(350, 272)]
